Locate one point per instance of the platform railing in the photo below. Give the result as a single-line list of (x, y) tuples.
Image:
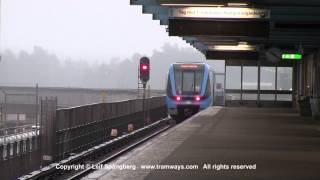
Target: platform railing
[(72, 130), (80, 128)]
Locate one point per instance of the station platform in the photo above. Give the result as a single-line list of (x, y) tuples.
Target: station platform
[(227, 143)]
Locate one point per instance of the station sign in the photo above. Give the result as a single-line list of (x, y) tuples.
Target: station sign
[(219, 12), (291, 56)]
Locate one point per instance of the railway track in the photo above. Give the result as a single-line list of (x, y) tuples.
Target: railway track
[(100, 154), (118, 154)]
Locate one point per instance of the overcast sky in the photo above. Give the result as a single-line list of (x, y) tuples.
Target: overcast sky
[(81, 29)]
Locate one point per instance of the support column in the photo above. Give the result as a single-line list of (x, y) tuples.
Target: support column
[(225, 83), (317, 75), (301, 80), (241, 88), (276, 85), (259, 80), (294, 85), (37, 109)]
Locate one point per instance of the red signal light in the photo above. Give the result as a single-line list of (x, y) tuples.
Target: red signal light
[(178, 98), (198, 98), (144, 67), (144, 70)]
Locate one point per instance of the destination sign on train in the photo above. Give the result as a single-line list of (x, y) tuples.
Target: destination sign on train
[(219, 12)]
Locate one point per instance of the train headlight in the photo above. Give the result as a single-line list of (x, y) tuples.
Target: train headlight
[(178, 98), (198, 98)]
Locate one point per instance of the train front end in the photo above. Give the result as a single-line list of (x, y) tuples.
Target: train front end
[(188, 89)]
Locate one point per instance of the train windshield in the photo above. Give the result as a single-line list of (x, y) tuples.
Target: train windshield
[(188, 79)]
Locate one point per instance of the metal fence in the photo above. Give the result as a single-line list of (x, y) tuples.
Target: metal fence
[(18, 108), (80, 128), (19, 140), (17, 130), (19, 153), (71, 130)]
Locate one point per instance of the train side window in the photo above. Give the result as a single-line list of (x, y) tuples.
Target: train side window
[(169, 88), (178, 80)]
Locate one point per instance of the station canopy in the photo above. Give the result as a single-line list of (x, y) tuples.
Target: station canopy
[(241, 29)]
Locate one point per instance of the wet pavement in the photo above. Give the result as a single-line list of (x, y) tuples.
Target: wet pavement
[(226, 143)]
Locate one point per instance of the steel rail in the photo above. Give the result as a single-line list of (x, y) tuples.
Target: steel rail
[(118, 154), (115, 148)]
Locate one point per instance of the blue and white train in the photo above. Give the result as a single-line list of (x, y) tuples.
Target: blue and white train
[(190, 88)]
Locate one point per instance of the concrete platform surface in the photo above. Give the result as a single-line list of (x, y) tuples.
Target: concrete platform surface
[(226, 143)]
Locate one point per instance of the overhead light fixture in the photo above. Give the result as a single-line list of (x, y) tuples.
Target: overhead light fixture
[(240, 47), (215, 43), (237, 4), (194, 5)]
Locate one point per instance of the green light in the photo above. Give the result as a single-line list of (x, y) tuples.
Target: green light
[(292, 56)]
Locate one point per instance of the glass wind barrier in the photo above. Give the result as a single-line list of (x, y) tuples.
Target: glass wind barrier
[(250, 77), (275, 83)]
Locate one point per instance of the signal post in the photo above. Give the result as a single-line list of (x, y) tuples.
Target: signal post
[(144, 74)]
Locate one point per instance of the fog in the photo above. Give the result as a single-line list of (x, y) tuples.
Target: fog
[(103, 52), (46, 69)]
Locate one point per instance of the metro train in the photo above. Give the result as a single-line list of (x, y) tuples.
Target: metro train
[(190, 89)]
